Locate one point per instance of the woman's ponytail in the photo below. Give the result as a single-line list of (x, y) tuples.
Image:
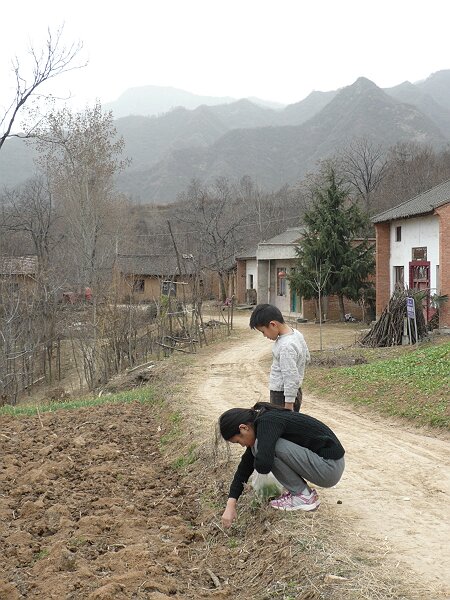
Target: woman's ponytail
[(262, 407)]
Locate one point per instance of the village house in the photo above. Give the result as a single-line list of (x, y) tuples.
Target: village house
[(18, 273), (262, 276), (144, 278), (413, 249)]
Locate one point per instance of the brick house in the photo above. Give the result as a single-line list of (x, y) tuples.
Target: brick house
[(413, 248), (264, 271)]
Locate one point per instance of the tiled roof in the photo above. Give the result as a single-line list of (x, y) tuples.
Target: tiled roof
[(247, 253), (419, 205), (290, 236), (155, 264), (18, 265)]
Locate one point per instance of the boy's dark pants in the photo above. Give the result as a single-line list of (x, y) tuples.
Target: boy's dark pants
[(278, 399)]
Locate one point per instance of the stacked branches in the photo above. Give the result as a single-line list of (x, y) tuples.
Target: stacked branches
[(388, 330)]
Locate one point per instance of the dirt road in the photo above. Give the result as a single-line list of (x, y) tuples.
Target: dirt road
[(396, 487)]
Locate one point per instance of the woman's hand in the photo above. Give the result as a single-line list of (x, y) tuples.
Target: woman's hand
[(230, 513)]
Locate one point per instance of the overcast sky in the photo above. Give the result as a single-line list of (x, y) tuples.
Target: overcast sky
[(277, 50)]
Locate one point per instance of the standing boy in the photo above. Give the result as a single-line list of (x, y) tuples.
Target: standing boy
[(289, 356)]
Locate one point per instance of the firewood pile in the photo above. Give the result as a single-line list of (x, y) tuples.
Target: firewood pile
[(389, 329)]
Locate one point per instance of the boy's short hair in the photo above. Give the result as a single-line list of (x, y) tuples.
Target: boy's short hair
[(264, 313)]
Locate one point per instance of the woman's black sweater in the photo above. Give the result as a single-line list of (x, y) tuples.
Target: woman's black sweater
[(298, 428)]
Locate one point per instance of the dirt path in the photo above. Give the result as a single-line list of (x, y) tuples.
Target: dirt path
[(396, 488)]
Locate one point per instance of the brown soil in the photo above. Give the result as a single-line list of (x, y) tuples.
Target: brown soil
[(92, 507)]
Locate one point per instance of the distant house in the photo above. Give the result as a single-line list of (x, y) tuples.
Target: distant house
[(143, 278), (19, 272), (262, 276), (413, 248)]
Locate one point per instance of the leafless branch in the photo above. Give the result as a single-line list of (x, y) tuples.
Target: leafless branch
[(53, 60)]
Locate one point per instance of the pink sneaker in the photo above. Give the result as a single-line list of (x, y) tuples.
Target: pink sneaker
[(288, 501)]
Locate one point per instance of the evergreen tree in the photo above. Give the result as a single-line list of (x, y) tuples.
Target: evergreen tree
[(329, 262)]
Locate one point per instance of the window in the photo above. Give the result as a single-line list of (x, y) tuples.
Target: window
[(168, 288), (281, 282), (139, 285), (399, 277), (250, 282), (419, 253), (398, 234), (421, 273)]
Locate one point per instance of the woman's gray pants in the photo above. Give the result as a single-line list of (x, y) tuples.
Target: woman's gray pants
[(294, 466)]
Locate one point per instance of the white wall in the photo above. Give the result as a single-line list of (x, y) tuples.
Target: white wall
[(282, 302), (417, 232), (251, 268), (275, 251)]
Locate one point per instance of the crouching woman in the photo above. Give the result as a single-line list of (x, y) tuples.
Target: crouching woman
[(297, 449)]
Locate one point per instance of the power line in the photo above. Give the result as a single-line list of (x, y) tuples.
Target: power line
[(196, 231)]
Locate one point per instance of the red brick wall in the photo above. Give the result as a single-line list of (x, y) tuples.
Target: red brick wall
[(241, 281), (444, 261), (382, 278), (332, 312)]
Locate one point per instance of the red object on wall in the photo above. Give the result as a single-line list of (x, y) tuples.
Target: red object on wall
[(419, 279)]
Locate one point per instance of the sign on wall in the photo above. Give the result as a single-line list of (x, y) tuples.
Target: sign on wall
[(411, 314), (419, 253)]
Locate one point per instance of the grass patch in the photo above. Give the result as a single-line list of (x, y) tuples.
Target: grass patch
[(414, 385), (174, 428), (74, 543), (144, 395), (187, 459), (41, 554)]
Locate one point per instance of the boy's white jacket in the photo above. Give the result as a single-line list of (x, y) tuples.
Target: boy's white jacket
[(290, 355)]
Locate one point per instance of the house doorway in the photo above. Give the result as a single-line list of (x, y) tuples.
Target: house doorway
[(419, 279), (295, 300), (296, 303)]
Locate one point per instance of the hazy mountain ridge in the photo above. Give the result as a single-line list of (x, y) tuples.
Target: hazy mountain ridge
[(152, 100), (409, 93), (437, 86), (277, 155), (295, 114), (274, 147)]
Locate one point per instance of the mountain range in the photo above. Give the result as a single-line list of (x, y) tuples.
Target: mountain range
[(273, 145), (154, 100)]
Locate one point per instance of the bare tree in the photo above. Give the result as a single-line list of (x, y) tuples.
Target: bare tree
[(412, 169), (267, 213), (30, 210), (364, 166), (53, 60), (215, 213), (81, 154)]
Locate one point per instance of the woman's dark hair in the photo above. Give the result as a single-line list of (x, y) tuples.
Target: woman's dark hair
[(262, 407), (264, 313), (230, 420)]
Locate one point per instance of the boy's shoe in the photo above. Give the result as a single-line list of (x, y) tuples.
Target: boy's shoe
[(288, 501)]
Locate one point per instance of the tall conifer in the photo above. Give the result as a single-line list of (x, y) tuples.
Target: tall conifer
[(334, 256)]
